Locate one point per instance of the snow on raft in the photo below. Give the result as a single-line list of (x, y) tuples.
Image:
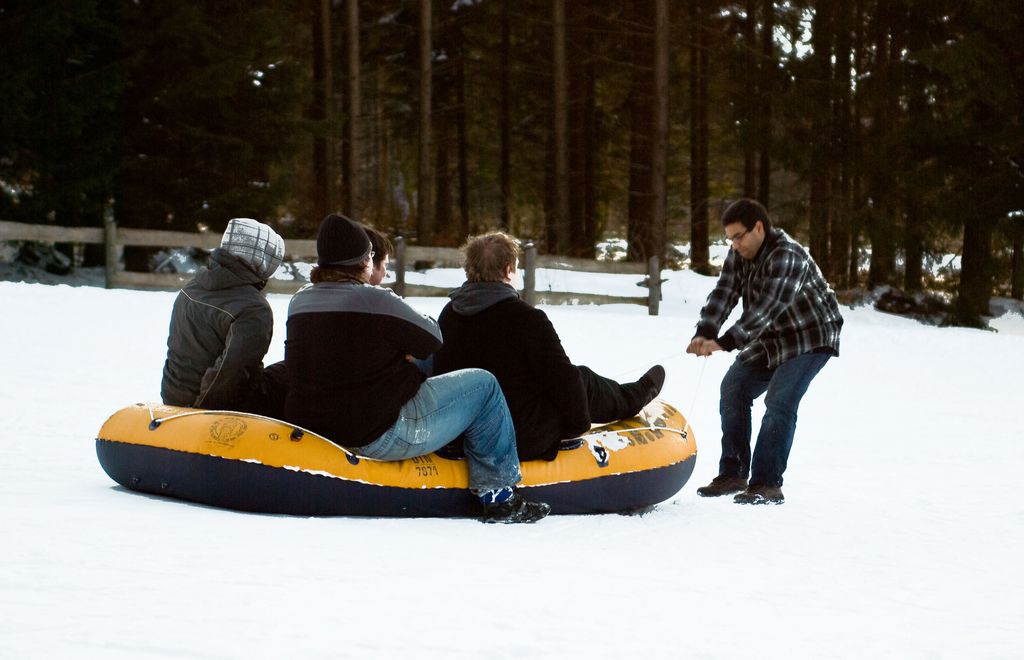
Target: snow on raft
[(252, 463)]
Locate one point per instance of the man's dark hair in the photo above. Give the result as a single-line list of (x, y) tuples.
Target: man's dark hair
[(353, 273), (381, 245), (747, 212)]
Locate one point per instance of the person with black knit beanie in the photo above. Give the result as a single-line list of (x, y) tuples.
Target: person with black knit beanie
[(349, 355)]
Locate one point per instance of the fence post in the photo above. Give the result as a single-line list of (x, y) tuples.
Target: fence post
[(112, 249), (530, 273), (400, 265), (653, 286)]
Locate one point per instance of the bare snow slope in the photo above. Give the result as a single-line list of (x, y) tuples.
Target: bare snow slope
[(901, 536)]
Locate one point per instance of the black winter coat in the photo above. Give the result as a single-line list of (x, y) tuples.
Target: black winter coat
[(487, 326), (345, 355), (220, 330)]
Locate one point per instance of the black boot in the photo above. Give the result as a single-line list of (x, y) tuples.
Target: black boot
[(651, 383), (646, 388), (515, 510)]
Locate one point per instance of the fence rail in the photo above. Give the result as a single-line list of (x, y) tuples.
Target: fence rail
[(115, 238)]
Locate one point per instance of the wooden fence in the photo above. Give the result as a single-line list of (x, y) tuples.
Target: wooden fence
[(115, 238)]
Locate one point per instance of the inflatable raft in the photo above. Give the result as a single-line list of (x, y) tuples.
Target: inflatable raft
[(252, 463)]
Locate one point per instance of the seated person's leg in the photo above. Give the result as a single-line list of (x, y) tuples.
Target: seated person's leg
[(467, 402), (611, 401)]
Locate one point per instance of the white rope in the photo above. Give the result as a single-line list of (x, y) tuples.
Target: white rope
[(190, 413), (637, 428), (660, 360), (237, 413), (696, 390)]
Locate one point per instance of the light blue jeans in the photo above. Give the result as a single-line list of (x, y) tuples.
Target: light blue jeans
[(469, 402)]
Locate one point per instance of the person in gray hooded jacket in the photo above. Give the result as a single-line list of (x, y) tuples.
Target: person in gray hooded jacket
[(221, 327)]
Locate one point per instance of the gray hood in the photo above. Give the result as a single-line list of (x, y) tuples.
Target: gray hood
[(474, 297), (227, 271)]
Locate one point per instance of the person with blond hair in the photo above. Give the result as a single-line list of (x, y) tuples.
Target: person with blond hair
[(486, 326)]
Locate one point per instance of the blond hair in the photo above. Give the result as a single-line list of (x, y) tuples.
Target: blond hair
[(489, 256)]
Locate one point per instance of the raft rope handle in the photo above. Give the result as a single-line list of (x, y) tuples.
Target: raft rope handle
[(154, 423), (662, 359), (636, 428), (696, 390), (666, 358)]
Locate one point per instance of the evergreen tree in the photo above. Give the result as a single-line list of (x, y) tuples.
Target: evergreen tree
[(61, 73), (210, 114)]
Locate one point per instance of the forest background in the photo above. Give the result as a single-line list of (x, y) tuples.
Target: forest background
[(883, 133)]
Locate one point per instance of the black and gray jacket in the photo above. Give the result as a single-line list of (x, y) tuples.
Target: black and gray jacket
[(220, 329), (345, 355), (788, 307), (487, 326)]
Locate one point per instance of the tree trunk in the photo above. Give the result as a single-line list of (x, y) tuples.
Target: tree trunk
[(1017, 272), (659, 148), (560, 215), (750, 109), (818, 88), (321, 109), (460, 127), (856, 148), (767, 94), (442, 177), (424, 185), (916, 222), (641, 130), (840, 234), (699, 248), (350, 205), (386, 208), (582, 137), (975, 272), (881, 223), (504, 118), (913, 246)]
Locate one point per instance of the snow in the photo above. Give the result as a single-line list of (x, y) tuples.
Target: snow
[(901, 536)]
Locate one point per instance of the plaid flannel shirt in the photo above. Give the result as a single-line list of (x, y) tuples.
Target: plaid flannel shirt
[(788, 307)]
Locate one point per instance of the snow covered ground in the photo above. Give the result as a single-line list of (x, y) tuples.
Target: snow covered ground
[(901, 536)]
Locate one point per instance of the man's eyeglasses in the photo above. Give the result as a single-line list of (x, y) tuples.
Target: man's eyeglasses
[(738, 237)]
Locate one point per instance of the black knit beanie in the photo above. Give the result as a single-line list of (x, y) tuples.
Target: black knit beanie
[(341, 242)]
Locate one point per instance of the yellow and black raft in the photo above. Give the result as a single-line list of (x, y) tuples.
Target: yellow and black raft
[(252, 463)]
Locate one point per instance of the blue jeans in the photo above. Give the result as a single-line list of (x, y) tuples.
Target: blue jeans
[(786, 385), (469, 402)]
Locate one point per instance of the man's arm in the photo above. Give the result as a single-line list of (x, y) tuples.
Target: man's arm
[(247, 342), (413, 333), (721, 300), (559, 377), (787, 270)]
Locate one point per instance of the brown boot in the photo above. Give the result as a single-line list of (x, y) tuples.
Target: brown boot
[(722, 485), (760, 495)]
